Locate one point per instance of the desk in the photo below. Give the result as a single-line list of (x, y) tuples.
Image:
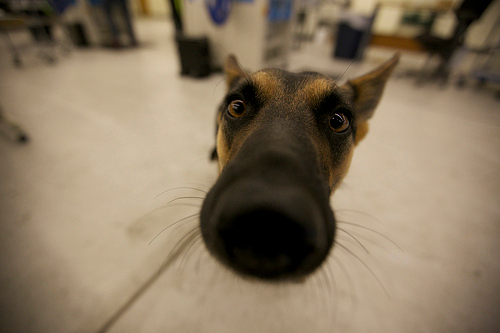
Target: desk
[(417, 18)]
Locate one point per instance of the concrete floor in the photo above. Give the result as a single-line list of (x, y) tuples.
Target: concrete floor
[(111, 131)]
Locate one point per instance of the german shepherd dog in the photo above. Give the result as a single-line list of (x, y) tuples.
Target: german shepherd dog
[(284, 144)]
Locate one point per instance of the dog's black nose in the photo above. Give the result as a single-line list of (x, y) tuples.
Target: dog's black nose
[(275, 234), (266, 243)]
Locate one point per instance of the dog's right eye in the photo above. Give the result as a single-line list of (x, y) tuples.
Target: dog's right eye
[(338, 122), (236, 108)]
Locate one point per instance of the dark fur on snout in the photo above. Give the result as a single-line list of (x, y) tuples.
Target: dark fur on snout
[(268, 215), (284, 144)]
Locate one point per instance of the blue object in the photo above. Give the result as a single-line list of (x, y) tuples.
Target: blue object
[(280, 10), (219, 10)]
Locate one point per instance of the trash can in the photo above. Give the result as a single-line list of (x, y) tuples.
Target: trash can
[(78, 35), (353, 35), (194, 55)]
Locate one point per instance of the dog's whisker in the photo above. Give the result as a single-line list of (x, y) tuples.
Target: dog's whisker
[(200, 185), (184, 219), (165, 207), (355, 239), (187, 252), (331, 275), (217, 86), (170, 206), (340, 210), (184, 204), (179, 247), (366, 267), (199, 256), (327, 282), (247, 74), (372, 230), (181, 188), (322, 286), (344, 73), (308, 289), (317, 284), (352, 289), (368, 238), (331, 297), (181, 198)]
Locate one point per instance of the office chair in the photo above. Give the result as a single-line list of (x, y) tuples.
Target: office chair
[(468, 12)]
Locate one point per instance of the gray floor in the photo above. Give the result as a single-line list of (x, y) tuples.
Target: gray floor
[(111, 131)]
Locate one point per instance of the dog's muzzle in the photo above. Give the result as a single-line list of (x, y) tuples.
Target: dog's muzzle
[(268, 215)]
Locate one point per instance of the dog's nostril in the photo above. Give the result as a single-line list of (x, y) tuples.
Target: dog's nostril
[(266, 243)]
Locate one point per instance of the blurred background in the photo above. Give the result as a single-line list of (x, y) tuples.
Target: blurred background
[(107, 123)]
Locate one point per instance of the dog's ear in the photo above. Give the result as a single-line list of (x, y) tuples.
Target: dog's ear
[(233, 71), (366, 92)]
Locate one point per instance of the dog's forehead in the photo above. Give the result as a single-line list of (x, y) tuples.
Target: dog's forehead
[(304, 87)]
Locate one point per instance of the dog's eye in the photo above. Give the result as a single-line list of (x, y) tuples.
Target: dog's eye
[(236, 108), (338, 122)]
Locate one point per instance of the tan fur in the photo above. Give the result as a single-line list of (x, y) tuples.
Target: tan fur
[(222, 150), (338, 174), (334, 175), (315, 90), (361, 131), (268, 86)]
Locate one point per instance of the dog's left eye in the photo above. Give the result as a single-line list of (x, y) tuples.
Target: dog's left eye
[(338, 122), (236, 108)]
